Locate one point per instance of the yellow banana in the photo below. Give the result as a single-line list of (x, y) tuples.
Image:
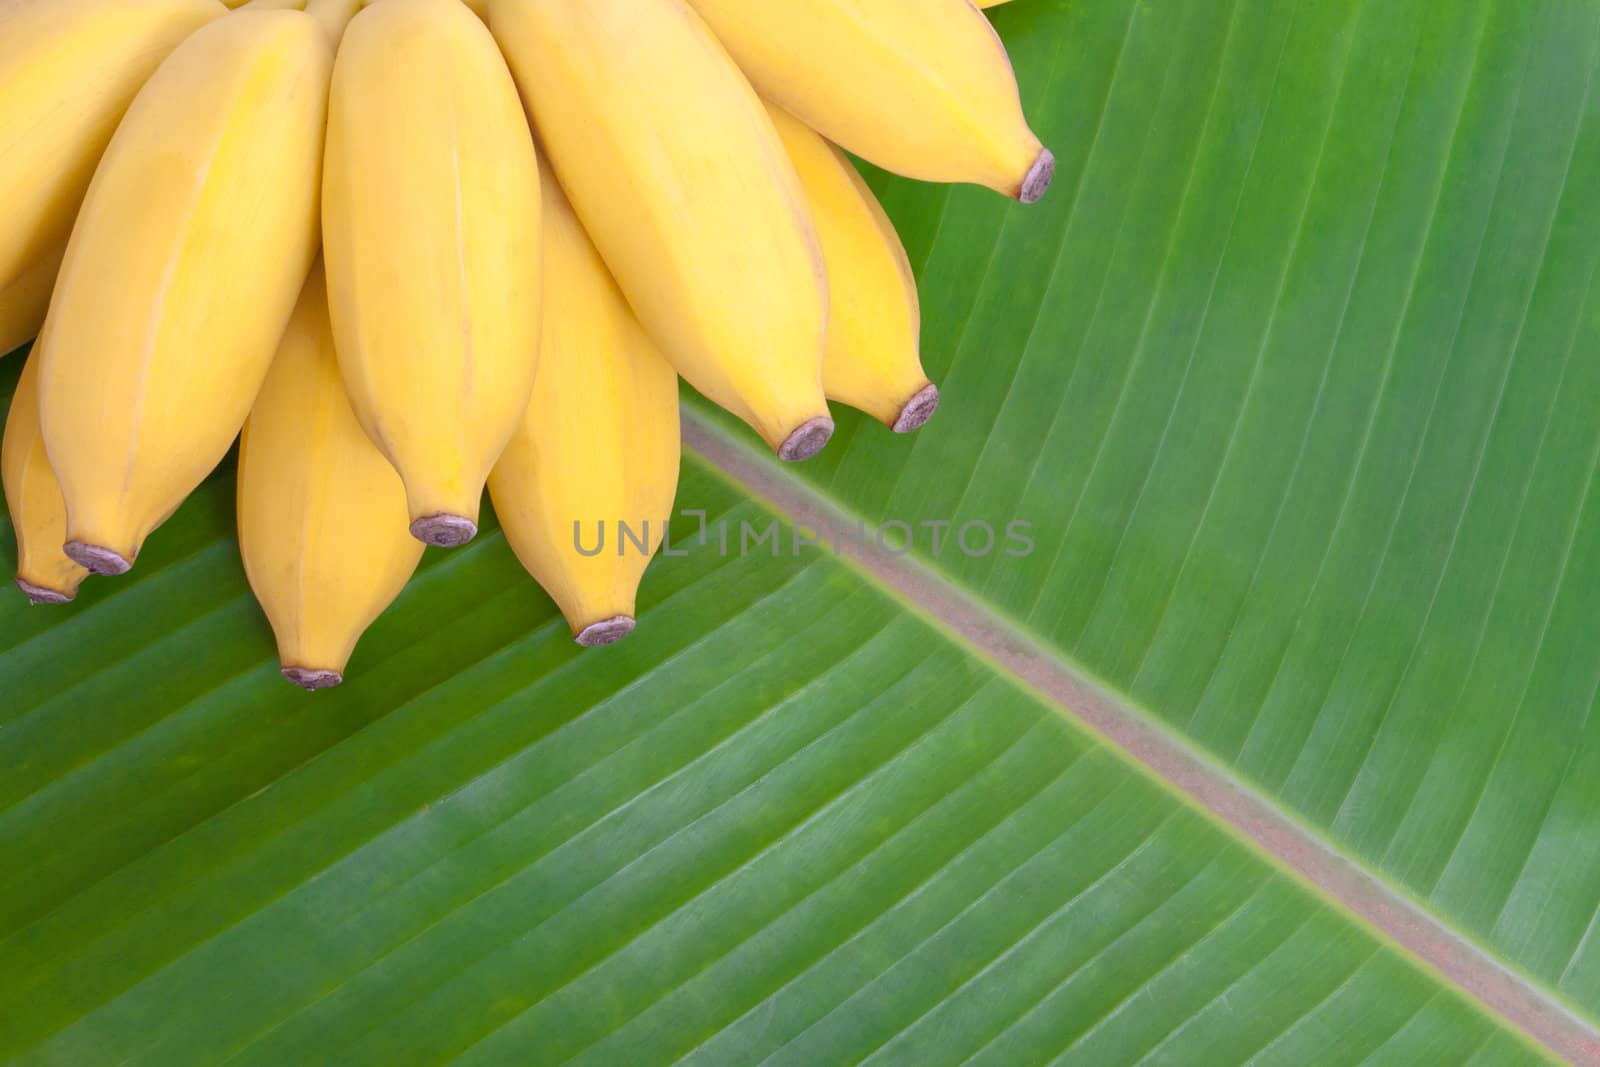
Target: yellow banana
[(322, 515), (674, 167), (334, 15), (24, 302), (599, 446), (431, 237), (992, 3), (919, 87), (33, 499), (68, 70), (872, 359), (187, 259)]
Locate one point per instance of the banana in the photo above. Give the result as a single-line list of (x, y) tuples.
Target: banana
[(24, 302), (431, 238), (334, 15), (871, 361), (68, 71), (322, 515), (195, 238), (599, 447), (919, 87), (677, 174), (33, 499), (992, 3)]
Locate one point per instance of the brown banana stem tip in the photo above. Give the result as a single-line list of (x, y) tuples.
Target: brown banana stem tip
[(444, 531), (807, 441), (1038, 179), (918, 410), (606, 632), (312, 680), (95, 559), (38, 594)]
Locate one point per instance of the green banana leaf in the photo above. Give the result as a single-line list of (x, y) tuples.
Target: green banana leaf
[(1292, 383)]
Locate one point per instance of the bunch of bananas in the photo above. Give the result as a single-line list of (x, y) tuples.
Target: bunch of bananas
[(323, 227)]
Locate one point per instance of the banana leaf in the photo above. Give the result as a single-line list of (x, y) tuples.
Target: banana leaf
[(1274, 746)]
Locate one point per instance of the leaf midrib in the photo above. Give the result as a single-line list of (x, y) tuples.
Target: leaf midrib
[(1390, 913)]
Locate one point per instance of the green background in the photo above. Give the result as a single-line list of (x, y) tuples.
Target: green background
[(1294, 376)]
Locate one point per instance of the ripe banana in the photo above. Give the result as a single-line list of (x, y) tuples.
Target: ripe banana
[(875, 327), (431, 237), (919, 87), (33, 499), (194, 241), (68, 70), (599, 446), (674, 167), (322, 515), (334, 15), (24, 302)]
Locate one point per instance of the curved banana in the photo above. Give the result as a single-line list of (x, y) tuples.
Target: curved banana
[(33, 499), (334, 15), (68, 70), (674, 167), (24, 302), (322, 515), (920, 87), (431, 237), (193, 243), (599, 447), (872, 360)]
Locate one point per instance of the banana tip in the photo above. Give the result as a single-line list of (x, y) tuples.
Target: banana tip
[(606, 632), (918, 410), (95, 559), (444, 531), (807, 441), (38, 594), (312, 680), (1038, 178)]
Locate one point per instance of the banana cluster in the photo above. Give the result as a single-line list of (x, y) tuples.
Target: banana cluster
[(406, 250)]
